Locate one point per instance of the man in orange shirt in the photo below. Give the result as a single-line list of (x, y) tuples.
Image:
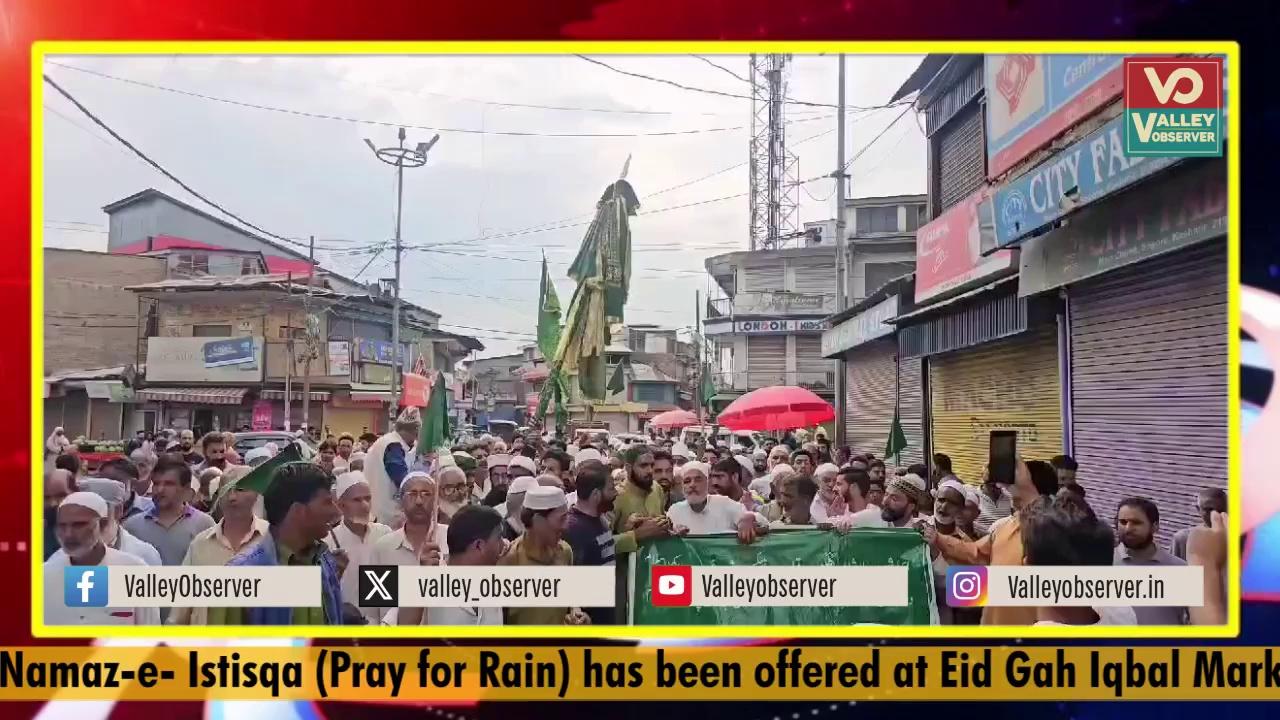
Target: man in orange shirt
[(1003, 545)]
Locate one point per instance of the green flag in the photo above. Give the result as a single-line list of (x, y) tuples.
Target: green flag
[(548, 315), (897, 439), (435, 419), (708, 389), (618, 382), (259, 478)]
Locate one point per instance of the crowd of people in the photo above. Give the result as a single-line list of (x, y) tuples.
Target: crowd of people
[(548, 501)]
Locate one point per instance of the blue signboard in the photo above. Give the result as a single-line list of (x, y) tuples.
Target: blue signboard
[(231, 351), (377, 351), (1083, 172), (1032, 99)]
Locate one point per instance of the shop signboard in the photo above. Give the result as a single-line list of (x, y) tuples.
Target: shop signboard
[(863, 327), (1188, 207), (774, 326), (949, 253), (1084, 172), (261, 415), (1031, 99), (186, 359), (229, 351), (339, 352)]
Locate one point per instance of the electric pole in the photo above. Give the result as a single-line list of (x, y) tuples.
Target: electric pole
[(401, 157), (842, 296), (310, 343)]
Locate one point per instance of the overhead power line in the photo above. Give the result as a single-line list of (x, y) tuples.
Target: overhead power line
[(722, 68), (707, 91), (388, 123), (146, 158)]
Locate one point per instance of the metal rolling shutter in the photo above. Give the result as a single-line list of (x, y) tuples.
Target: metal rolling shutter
[(962, 156), (766, 360), (815, 277), (815, 371), (911, 410), (1149, 383), (1006, 385), (763, 277), (870, 396)]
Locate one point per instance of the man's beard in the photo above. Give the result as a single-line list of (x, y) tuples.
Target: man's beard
[(698, 501), (891, 515), (642, 483), (1129, 544), (450, 508)]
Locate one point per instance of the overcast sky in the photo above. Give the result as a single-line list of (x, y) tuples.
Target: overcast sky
[(298, 176)]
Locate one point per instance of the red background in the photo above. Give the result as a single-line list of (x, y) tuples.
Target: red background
[(1138, 92)]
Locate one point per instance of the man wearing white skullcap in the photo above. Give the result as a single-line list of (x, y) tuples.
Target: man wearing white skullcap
[(116, 495), (512, 528), (422, 540), (257, 456), (543, 516), (82, 517), (387, 464), (521, 466), (355, 536), (702, 513), (681, 454)]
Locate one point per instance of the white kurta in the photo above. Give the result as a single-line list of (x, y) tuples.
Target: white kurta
[(720, 515), (385, 509), (359, 552)]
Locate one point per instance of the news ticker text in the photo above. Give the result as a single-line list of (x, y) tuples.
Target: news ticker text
[(599, 673)]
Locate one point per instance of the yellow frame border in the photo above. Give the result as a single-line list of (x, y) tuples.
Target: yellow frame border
[(40, 49)]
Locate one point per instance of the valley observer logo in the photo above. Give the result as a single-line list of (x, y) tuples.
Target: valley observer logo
[(1173, 107)]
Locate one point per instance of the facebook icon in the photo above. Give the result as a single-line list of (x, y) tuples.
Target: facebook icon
[(84, 586)]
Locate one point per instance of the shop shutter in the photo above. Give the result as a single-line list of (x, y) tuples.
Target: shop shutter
[(962, 156), (770, 276), (872, 371), (349, 420), (766, 360), (815, 276), (1149, 383), (911, 409), (815, 372), (1007, 385)]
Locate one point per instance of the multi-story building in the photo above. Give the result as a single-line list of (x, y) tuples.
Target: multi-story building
[(221, 352), (90, 339), (767, 327)]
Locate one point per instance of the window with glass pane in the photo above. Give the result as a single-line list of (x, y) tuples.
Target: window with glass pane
[(877, 219)]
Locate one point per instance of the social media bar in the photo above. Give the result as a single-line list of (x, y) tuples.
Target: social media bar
[(189, 586), (1072, 586), (778, 586), (489, 586)]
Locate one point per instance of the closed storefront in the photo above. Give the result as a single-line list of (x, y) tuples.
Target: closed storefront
[(767, 360), (871, 394), (767, 276), (961, 156), (1011, 384), (814, 371), (1149, 383), (1148, 340), (911, 409)]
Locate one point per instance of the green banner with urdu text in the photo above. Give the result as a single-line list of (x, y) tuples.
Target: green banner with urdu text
[(790, 548)]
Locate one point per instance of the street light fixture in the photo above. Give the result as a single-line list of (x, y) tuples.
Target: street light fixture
[(400, 157)]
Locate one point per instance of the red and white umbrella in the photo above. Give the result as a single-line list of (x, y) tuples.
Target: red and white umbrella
[(674, 419), (783, 407)]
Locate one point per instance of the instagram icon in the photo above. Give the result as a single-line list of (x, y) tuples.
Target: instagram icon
[(967, 586)]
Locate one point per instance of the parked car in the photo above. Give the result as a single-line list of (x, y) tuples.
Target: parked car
[(246, 441)]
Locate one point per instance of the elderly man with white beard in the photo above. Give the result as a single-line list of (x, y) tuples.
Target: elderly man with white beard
[(114, 535), (355, 537), (82, 517), (701, 513)]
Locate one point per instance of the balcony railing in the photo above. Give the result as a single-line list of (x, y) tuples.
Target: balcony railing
[(773, 303), (756, 379)]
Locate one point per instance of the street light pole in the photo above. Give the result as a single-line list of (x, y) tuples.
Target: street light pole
[(842, 262), (401, 157)]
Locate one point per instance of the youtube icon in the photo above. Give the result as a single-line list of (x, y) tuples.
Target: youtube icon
[(672, 586)]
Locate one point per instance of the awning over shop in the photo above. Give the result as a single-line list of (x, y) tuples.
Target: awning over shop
[(317, 395), (199, 396), (362, 391)]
